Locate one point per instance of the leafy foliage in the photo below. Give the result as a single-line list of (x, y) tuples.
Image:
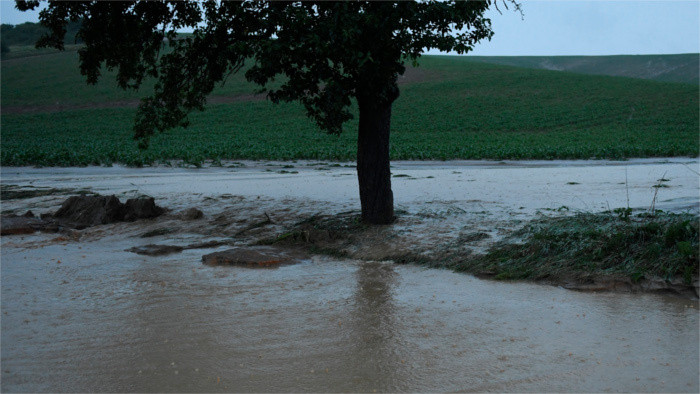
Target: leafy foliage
[(324, 53), (29, 33)]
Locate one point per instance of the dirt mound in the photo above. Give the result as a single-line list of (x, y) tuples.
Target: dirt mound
[(25, 224), (79, 212), (141, 208), (251, 257), (161, 250), (85, 211)]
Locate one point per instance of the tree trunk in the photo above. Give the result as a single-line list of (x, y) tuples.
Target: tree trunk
[(373, 170)]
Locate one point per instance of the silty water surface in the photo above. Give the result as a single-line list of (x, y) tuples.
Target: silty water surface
[(88, 316), (107, 320)]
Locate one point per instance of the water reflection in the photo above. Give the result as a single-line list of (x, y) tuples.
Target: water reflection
[(375, 330), (129, 324)]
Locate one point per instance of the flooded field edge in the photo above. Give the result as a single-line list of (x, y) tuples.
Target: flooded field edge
[(432, 233), (130, 306)]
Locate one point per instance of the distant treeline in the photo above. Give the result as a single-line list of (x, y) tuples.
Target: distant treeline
[(28, 33)]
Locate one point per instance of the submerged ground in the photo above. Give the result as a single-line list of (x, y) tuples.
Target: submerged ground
[(80, 313)]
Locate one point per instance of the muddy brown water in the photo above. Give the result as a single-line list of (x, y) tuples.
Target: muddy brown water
[(88, 316), (116, 321)]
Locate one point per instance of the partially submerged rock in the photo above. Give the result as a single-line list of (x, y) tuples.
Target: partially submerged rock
[(86, 211), (79, 212), (250, 257), (158, 232), (191, 214), (141, 208), (161, 250), (13, 224), (204, 245), (156, 250)]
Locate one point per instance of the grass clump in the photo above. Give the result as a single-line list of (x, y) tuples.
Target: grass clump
[(322, 233), (589, 245)]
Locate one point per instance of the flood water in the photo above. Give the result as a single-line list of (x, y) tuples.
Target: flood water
[(88, 316)]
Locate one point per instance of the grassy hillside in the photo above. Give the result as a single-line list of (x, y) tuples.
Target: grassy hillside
[(450, 108), (37, 78), (683, 68), (16, 38)]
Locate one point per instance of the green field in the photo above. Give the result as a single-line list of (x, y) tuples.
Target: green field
[(450, 108), (683, 68)]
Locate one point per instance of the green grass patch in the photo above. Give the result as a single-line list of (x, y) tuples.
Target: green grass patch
[(587, 245), (43, 77)]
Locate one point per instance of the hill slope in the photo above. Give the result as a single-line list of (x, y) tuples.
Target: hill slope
[(684, 68), (449, 108)]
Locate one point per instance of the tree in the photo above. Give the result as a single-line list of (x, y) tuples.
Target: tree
[(323, 54), (4, 48), (28, 33)]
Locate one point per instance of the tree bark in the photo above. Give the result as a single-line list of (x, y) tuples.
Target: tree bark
[(373, 171)]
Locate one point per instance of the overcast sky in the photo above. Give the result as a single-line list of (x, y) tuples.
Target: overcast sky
[(568, 27)]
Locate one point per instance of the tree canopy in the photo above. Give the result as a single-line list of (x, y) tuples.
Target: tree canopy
[(323, 54), (28, 33)]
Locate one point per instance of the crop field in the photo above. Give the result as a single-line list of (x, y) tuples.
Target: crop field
[(450, 108), (684, 68)]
